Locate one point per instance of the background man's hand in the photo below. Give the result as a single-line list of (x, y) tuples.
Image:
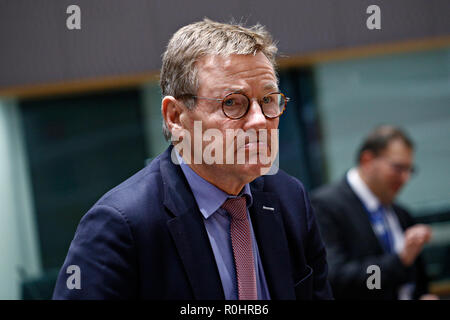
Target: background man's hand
[(415, 238)]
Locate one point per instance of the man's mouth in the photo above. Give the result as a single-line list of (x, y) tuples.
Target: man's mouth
[(255, 145)]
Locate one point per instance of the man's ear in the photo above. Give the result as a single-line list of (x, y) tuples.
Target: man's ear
[(171, 111), (367, 156)]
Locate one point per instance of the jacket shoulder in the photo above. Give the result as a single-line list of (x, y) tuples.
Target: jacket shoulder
[(136, 195), (281, 183), (332, 192)]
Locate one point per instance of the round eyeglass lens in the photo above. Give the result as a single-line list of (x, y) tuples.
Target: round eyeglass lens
[(235, 105), (273, 104)]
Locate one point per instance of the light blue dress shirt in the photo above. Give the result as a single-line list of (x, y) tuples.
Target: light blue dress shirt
[(209, 199)]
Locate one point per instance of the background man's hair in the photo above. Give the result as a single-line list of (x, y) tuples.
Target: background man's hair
[(380, 137), (179, 73)]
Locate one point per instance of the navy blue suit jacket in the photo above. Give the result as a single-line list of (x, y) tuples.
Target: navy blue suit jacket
[(145, 239)]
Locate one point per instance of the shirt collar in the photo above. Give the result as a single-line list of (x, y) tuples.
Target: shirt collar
[(361, 189), (209, 198)]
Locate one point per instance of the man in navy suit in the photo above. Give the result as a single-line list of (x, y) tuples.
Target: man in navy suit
[(362, 226), (218, 226)]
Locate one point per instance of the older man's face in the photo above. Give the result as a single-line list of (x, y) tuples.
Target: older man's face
[(218, 76)]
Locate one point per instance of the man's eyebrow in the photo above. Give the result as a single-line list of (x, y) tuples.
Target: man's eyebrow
[(270, 86), (236, 89)]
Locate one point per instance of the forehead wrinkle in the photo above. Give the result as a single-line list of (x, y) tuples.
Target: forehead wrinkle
[(236, 75), (211, 65), (239, 81), (253, 73)]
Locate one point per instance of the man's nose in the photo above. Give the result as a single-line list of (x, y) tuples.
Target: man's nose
[(255, 116)]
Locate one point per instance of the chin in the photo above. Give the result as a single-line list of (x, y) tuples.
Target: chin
[(389, 199), (252, 171), (257, 162), (395, 191)]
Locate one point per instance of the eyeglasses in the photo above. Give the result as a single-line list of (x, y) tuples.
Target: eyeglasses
[(235, 105), (400, 168)]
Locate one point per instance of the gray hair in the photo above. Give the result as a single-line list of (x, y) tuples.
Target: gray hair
[(178, 76)]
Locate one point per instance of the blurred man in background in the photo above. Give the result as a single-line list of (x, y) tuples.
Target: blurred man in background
[(362, 226)]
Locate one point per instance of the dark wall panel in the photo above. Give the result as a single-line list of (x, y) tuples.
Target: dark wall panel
[(78, 148)]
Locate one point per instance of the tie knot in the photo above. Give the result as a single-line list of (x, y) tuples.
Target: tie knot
[(236, 207)]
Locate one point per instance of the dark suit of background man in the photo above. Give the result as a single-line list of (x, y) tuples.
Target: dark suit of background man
[(362, 226), (198, 230)]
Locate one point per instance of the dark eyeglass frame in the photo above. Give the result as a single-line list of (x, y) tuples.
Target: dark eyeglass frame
[(286, 100), (399, 168)]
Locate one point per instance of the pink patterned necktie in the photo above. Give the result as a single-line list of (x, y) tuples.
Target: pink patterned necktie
[(241, 241)]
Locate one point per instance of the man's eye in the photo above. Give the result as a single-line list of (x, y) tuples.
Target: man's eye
[(267, 100), (229, 102)]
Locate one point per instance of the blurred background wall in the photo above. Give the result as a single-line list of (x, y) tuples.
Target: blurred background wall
[(80, 109)]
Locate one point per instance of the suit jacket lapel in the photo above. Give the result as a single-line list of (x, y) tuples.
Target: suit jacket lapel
[(189, 233), (359, 216), (272, 243), (193, 246)]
